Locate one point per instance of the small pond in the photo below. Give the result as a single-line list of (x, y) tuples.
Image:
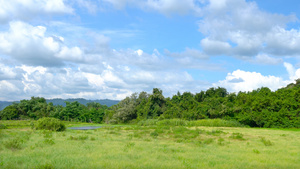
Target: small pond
[(85, 128)]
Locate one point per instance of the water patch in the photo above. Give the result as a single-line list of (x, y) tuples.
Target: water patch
[(85, 128)]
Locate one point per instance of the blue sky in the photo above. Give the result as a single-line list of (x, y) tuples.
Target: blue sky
[(98, 49)]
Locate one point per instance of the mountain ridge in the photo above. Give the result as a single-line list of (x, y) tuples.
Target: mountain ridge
[(59, 101)]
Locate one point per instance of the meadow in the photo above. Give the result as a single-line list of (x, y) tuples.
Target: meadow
[(169, 145)]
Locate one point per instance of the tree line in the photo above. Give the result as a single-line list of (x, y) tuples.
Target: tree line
[(258, 108), (37, 108)]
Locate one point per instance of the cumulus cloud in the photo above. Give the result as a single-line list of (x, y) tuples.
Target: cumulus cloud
[(111, 83), (7, 72), (31, 45), (25, 10), (215, 47), (265, 59), (239, 28), (240, 80), (46, 66), (294, 73)]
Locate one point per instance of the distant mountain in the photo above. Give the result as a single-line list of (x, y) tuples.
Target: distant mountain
[(106, 102), (3, 104)]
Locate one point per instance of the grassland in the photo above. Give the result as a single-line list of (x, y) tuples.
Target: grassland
[(131, 146)]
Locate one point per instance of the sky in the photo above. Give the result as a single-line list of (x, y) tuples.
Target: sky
[(109, 49)]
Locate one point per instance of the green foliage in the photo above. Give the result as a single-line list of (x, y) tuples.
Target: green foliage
[(37, 108), (48, 123)]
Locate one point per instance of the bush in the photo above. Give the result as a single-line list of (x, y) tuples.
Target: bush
[(49, 123)]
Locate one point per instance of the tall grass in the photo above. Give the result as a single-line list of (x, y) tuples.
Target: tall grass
[(216, 123), (181, 122), (155, 146)]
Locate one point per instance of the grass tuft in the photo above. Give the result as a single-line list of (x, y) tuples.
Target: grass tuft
[(237, 136), (14, 144), (265, 141)]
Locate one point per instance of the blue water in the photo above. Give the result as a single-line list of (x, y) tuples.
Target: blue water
[(85, 128)]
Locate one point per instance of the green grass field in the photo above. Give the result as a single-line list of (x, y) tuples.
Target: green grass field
[(148, 147)]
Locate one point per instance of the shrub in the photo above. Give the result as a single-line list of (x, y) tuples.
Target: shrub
[(49, 123)]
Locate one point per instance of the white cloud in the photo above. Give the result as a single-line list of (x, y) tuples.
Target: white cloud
[(215, 47), (240, 80), (25, 10), (283, 42), (7, 72), (71, 54), (249, 81), (265, 59), (31, 45), (294, 74), (6, 87), (239, 28)]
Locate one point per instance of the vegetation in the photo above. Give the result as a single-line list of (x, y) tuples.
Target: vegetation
[(37, 108), (48, 123), (154, 146), (259, 108)]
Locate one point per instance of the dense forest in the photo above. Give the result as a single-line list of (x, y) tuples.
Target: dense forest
[(258, 108)]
